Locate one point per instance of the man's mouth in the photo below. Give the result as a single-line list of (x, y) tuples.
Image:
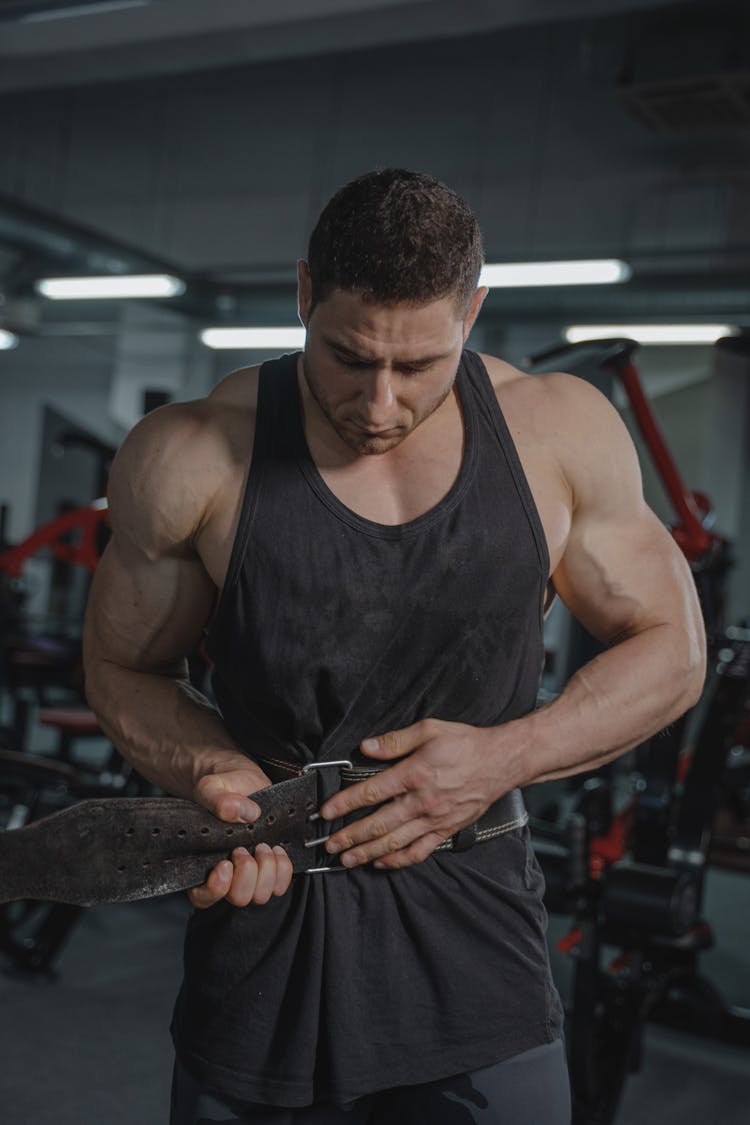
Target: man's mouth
[(369, 431)]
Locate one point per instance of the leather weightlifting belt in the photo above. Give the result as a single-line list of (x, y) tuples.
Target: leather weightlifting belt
[(120, 849)]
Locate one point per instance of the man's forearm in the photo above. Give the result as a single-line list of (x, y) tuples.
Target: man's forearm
[(160, 724), (612, 704)]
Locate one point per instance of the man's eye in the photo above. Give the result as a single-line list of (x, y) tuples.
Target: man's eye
[(363, 365)]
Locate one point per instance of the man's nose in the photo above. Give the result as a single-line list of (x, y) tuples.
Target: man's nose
[(378, 393)]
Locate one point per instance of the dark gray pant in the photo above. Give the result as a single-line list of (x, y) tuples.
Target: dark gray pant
[(529, 1089)]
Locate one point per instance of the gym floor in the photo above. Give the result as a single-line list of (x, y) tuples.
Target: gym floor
[(93, 1045)]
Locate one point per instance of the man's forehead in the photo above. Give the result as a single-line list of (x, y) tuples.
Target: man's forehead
[(371, 352), (366, 330)]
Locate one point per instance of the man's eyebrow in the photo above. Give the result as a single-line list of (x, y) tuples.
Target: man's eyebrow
[(348, 351), (420, 362)]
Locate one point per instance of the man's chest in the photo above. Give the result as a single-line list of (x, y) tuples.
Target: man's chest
[(414, 486)]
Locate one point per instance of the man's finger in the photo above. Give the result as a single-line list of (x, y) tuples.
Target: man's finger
[(284, 871), (266, 884), (396, 743), (235, 808), (392, 843), (372, 791), (390, 817), (245, 878), (416, 852), (213, 791), (214, 888)]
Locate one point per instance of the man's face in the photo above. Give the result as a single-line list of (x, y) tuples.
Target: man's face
[(377, 372)]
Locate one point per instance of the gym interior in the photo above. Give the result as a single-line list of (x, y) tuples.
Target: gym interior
[(192, 146)]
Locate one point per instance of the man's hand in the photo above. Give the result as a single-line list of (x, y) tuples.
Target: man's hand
[(245, 878), (448, 780)]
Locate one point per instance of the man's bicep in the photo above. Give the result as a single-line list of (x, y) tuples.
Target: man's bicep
[(144, 613), (621, 571), (619, 577)]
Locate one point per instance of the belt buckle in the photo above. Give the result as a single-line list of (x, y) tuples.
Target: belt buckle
[(342, 763)]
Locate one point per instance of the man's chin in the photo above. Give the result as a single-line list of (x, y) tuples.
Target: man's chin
[(379, 445), (363, 442)]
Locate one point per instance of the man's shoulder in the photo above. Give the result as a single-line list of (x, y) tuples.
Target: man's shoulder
[(186, 435), (559, 401), (556, 387), (563, 419), (178, 459), (238, 389)]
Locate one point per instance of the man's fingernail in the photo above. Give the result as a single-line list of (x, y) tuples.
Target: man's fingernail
[(371, 744), (278, 850), (225, 868), (332, 847), (379, 864), (349, 860), (264, 849), (327, 812)]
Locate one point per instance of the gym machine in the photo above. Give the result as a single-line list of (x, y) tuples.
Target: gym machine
[(32, 934)]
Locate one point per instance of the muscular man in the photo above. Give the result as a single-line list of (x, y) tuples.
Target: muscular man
[(366, 532)]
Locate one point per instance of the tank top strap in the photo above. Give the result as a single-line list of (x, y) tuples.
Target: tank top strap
[(479, 379), (277, 423), (275, 436)]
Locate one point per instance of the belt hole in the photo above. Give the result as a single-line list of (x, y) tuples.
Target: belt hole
[(154, 831), (230, 831), (182, 832), (121, 869), (129, 831), (291, 811), (271, 818), (204, 831), (310, 804)]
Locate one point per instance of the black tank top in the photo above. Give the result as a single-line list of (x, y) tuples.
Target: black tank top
[(330, 628)]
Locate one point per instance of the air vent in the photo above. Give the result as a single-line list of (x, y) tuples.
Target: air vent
[(720, 101)]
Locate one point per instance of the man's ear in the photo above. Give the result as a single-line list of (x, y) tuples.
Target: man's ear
[(473, 311), (304, 292)]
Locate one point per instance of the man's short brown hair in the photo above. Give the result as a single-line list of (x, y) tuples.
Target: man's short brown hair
[(396, 236)]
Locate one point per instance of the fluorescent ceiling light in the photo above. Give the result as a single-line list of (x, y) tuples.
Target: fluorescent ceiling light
[(94, 8), (110, 287), (651, 333), (516, 275), (7, 340), (260, 338)]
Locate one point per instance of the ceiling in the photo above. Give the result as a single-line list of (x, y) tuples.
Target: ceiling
[(86, 44), (64, 42)]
